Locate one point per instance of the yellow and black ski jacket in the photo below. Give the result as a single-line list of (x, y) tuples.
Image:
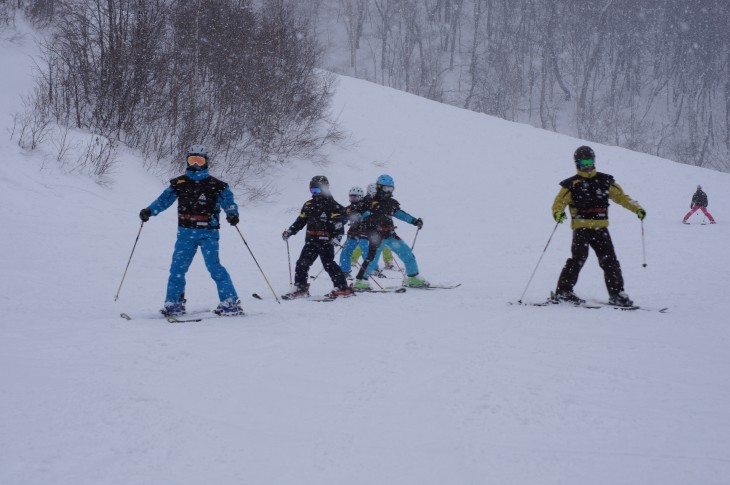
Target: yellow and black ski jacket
[(587, 195)]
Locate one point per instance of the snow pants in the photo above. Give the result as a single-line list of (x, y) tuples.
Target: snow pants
[(326, 253), (600, 241), (347, 256), (397, 245), (695, 209), (188, 241)]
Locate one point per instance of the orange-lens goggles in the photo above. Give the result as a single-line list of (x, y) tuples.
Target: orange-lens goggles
[(196, 160)]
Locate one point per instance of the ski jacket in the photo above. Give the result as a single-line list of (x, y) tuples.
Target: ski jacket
[(587, 195), (699, 199), (200, 199), (379, 216), (323, 217), (353, 213)]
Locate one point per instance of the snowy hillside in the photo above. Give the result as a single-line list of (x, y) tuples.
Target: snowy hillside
[(442, 387)]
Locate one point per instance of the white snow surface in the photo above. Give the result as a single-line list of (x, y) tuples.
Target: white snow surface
[(427, 387)]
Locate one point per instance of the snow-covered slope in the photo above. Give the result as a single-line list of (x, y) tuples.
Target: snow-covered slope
[(422, 388)]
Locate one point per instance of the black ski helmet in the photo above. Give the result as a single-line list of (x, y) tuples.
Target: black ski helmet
[(583, 153), (319, 181)]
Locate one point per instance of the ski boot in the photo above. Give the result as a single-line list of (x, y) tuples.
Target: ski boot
[(389, 265), (567, 297), (361, 285), (620, 299), (173, 308), (229, 308), (340, 292), (299, 292), (378, 273), (415, 282)]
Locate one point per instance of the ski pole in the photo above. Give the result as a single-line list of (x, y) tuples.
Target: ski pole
[(538, 262), (356, 265), (643, 245), (288, 257), (414, 239), (116, 297), (257, 264)]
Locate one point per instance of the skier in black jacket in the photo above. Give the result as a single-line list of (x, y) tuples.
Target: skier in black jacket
[(699, 202), (324, 219)]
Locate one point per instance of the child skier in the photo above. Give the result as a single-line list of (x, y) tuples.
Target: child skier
[(587, 194), (355, 240), (200, 198), (699, 202), (361, 250), (378, 221), (324, 219)]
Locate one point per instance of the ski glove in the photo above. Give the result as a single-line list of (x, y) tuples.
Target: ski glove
[(418, 223), (641, 213), (232, 219), (559, 217), (285, 235), (145, 214)]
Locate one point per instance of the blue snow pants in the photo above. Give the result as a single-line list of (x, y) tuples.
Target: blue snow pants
[(400, 248), (348, 248), (186, 246)]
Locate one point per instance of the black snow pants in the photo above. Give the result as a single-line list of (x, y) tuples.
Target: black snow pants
[(600, 241), (326, 252)]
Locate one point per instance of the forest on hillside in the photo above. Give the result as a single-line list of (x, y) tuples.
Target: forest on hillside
[(648, 75)]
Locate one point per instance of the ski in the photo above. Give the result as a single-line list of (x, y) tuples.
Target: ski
[(434, 287), (592, 306), (385, 289), (552, 303)]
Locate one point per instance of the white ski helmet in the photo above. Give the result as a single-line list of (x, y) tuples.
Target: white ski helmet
[(200, 150), (357, 191), (372, 188)]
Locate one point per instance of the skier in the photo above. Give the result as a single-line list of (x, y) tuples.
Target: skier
[(324, 219), (378, 221), (200, 199), (699, 201), (361, 250), (587, 194), (354, 240)]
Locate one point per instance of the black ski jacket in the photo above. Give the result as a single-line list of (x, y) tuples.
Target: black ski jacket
[(700, 199), (323, 217)]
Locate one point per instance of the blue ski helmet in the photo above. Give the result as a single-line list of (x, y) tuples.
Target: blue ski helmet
[(385, 180)]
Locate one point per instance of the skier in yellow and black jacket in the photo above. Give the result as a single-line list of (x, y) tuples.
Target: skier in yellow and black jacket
[(587, 195)]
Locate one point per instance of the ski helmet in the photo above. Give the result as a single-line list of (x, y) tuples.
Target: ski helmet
[(196, 157), (385, 181), (319, 185), (584, 153), (699, 187), (357, 191), (372, 188)]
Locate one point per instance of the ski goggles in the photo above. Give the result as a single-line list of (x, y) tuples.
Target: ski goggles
[(588, 162), (354, 197), (315, 190), (197, 160), (388, 189)]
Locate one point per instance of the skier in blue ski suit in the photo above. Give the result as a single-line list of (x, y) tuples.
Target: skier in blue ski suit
[(200, 198), (378, 221)]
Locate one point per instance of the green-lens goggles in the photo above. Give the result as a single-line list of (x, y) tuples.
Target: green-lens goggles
[(588, 162)]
